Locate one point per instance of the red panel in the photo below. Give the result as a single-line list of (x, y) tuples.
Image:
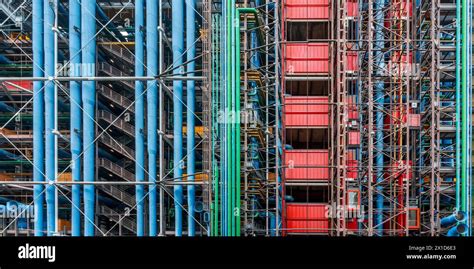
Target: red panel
[(312, 58), (353, 113), (306, 218), (21, 83), (306, 164), (307, 9), (414, 120), (352, 61), (351, 169), (354, 138), (306, 111), (352, 8)]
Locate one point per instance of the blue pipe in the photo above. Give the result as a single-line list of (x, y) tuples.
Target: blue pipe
[(177, 8), (5, 60), (152, 103), (38, 111), (456, 217), (139, 117), (76, 113), (458, 230), (49, 70), (190, 96), (379, 5), (88, 26)]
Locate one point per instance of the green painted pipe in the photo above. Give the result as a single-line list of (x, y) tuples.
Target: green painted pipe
[(230, 6)]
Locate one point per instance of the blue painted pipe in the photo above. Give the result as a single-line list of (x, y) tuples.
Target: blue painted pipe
[(76, 112), (190, 96), (49, 70), (139, 117), (177, 8), (458, 216), (379, 5), (38, 111), (5, 60), (458, 230), (152, 103), (88, 26)]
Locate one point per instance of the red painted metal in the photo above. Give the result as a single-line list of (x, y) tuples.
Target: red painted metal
[(353, 138), (414, 120), (306, 218), (306, 111), (353, 112), (28, 85), (352, 61), (308, 58), (352, 8), (306, 164), (352, 169), (306, 10), (396, 118)]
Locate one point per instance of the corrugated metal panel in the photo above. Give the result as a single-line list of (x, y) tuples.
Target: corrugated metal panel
[(306, 164), (352, 61), (311, 58), (352, 8), (306, 218), (414, 120), (307, 9), (351, 169), (306, 111), (353, 138), (353, 113)]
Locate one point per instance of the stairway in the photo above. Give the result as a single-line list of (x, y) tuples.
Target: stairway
[(116, 98), (118, 123), (116, 169), (127, 222), (125, 151)]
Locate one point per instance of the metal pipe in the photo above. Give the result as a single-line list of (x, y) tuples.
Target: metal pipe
[(152, 113), (458, 105), (93, 78), (88, 27), (379, 6), (190, 97), (460, 229), (38, 111), (76, 112), (161, 122), (139, 117), (177, 8), (458, 216), (465, 151), (49, 69)]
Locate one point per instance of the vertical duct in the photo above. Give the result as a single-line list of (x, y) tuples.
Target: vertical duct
[(177, 8), (38, 111), (49, 115), (152, 101), (76, 113), (88, 26), (139, 116), (379, 6), (190, 95)]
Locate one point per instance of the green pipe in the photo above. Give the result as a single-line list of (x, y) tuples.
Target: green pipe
[(237, 93), (230, 5)]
